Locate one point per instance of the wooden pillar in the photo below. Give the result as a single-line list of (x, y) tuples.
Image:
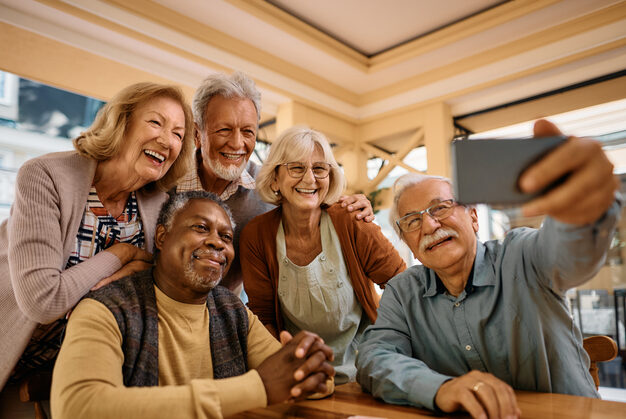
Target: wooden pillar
[(438, 133), (354, 161)]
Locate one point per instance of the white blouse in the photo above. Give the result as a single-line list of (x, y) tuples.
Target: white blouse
[(319, 297)]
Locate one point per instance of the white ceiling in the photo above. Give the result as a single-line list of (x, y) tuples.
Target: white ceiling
[(373, 26), (469, 70)]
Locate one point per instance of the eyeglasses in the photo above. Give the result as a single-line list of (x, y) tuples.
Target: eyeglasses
[(297, 170), (438, 212)]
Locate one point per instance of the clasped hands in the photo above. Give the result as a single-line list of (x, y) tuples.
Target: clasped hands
[(300, 368)]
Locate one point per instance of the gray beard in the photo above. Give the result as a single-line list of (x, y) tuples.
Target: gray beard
[(229, 172), (206, 282)]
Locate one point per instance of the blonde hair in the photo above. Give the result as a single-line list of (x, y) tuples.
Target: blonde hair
[(296, 144), (103, 139)]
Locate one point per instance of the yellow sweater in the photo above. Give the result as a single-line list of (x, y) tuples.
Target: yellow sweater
[(88, 382)]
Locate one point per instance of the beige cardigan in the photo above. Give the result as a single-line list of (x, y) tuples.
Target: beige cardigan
[(35, 244)]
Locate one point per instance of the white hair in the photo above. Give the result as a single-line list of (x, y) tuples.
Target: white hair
[(237, 85), (400, 185)]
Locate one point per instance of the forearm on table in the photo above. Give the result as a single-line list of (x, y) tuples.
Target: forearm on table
[(397, 378)]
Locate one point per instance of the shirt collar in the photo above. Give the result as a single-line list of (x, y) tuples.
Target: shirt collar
[(191, 181), (484, 273), (481, 275)]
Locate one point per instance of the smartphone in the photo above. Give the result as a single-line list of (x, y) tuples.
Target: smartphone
[(487, 171)]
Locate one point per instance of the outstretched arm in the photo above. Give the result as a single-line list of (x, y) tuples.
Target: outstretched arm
[(583, 211)]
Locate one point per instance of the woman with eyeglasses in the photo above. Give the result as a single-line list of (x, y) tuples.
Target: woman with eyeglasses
[(309, 264)]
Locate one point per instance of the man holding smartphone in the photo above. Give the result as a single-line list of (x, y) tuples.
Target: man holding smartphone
[(478, 320)]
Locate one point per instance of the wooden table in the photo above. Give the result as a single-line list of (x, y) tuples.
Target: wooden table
[(349, 400)]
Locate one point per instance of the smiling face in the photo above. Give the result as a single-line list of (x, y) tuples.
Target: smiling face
[(307, 193), (229, 136), (195, 253), (152, 140), (445, 245)]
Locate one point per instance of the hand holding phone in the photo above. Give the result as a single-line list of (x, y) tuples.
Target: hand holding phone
[(488, 171), (585, 193)]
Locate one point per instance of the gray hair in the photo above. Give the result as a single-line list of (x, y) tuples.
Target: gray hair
[(400, 185), (237, 85), (178, 201)]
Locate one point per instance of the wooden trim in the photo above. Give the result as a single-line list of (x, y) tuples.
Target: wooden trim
[(66, 67), (490, 18), (565, 30), (173, 20), (583, 97), (389, 157), (305, 32), (457, 31), (497, 81), (396, 160)]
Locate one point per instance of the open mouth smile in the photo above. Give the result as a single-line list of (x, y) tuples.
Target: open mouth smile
[(233, 156), (158, 157), (306, 191)]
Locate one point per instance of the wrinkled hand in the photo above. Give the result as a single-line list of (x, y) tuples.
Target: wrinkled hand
[(300, 368), (359, 205), (480, 394), (587, 192), (133, 258), (307, 346)]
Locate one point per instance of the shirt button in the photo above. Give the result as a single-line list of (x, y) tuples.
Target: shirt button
[(285, 261), (283, 277), (468, 348), (323, 258), (331, 270), (457, 304), (339, 285)]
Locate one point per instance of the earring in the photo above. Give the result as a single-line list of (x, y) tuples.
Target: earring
[(276, 193)]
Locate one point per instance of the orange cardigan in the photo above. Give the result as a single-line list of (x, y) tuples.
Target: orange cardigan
[(369, 256)]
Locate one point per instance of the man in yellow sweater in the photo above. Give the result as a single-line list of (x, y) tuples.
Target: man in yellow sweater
[(168, 342)]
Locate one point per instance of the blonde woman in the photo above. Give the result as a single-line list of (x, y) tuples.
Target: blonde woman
[(85, 218), (309, 264)]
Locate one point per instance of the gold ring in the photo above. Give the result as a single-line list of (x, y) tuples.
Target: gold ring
[(477, 386)]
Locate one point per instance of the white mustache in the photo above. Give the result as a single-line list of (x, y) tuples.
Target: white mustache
[(440, 234)]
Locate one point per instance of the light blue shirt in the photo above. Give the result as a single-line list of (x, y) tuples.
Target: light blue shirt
[(512, 320)]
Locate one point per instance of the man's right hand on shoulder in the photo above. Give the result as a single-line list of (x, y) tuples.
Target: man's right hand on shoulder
[(480, 394), (300, 368)]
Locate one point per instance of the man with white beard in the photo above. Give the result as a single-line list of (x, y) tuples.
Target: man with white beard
[(478, 320), (227, 110), (169, 342)]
